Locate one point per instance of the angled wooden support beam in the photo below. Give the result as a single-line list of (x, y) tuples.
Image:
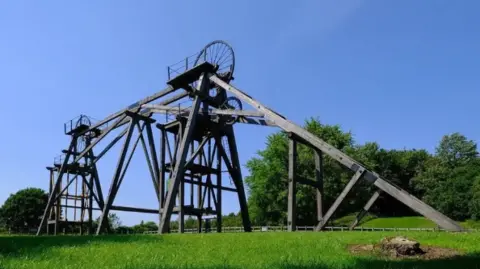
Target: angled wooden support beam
[(179, 169), (153, 152), (134, 106), (288, 126), (146, 112), (197, 151), (340, 199), (365, 209), (98, 139), (292, 186), (234, 170), (116, 177), (51, 198), (417, 205), (153, 171)]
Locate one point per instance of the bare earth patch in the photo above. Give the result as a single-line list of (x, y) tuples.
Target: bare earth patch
[(403, 248)]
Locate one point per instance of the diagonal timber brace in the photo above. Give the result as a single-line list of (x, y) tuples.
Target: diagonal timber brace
[(365, 209), (180, 156), (340, 199), (386, 186)]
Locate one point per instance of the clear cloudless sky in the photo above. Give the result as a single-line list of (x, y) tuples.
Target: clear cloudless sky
[(402, 73)]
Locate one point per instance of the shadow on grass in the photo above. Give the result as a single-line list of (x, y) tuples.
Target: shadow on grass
[(33, 245), (471, 261)]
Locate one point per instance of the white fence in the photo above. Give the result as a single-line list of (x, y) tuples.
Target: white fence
[(312, 228)]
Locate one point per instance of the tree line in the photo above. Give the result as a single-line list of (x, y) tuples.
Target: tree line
[(447, 179)]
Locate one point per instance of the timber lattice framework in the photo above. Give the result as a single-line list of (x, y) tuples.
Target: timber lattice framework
[(194, 147)]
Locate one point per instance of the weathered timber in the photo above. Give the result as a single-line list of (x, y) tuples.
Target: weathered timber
[(292, 186), (365, 209), (179, 170), (340, 199), (288, 126), (319, 176)]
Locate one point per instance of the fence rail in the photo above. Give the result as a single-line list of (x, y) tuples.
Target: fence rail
[(312, 228)]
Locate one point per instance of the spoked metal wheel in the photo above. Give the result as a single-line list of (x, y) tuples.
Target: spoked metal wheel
[(221, 55), (231, 103)]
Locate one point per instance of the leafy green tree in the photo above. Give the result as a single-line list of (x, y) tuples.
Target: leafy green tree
[(448, 181), (475, 202), (456, 150), (22, 211), (145, 226), (113, 222)]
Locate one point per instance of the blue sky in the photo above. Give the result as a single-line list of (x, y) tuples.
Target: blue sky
[(402, 73)]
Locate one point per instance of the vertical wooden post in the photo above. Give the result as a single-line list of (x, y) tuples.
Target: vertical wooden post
[(161, 179), (218, 207), (292, 186), (199, 193), (181, 202), (90, 207), (57, 207), (319, 177)]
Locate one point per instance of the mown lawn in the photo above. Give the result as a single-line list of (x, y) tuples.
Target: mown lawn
[(371, 221), (300, 250)]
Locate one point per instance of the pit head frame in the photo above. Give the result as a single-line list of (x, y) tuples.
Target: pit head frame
[(194, 147)]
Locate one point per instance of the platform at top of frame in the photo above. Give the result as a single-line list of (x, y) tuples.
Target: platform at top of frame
[(79, 124), (191, 75), (216, 57)]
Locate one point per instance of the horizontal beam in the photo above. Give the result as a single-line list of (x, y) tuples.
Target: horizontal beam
[(307, 181), (210, 185), (263, 122), (134, 209), (186, 110)]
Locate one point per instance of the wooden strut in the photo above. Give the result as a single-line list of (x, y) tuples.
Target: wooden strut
[(180, 157), (317, 143), (365, 209)]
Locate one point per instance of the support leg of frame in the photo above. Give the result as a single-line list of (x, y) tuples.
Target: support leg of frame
[(218, 207), (179, 169), (114, 185), (292, 186), (237, 178), (319, 178), (51, 199)]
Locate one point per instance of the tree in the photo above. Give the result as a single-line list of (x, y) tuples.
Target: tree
[(448, 180), (23, 210), (475, 202), (455, 150), (113, 222), (145, 226)]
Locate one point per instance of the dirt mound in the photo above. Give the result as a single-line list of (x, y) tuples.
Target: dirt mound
[(401, 247)]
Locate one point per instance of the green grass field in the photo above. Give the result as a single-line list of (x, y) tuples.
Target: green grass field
[(300, 250)]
